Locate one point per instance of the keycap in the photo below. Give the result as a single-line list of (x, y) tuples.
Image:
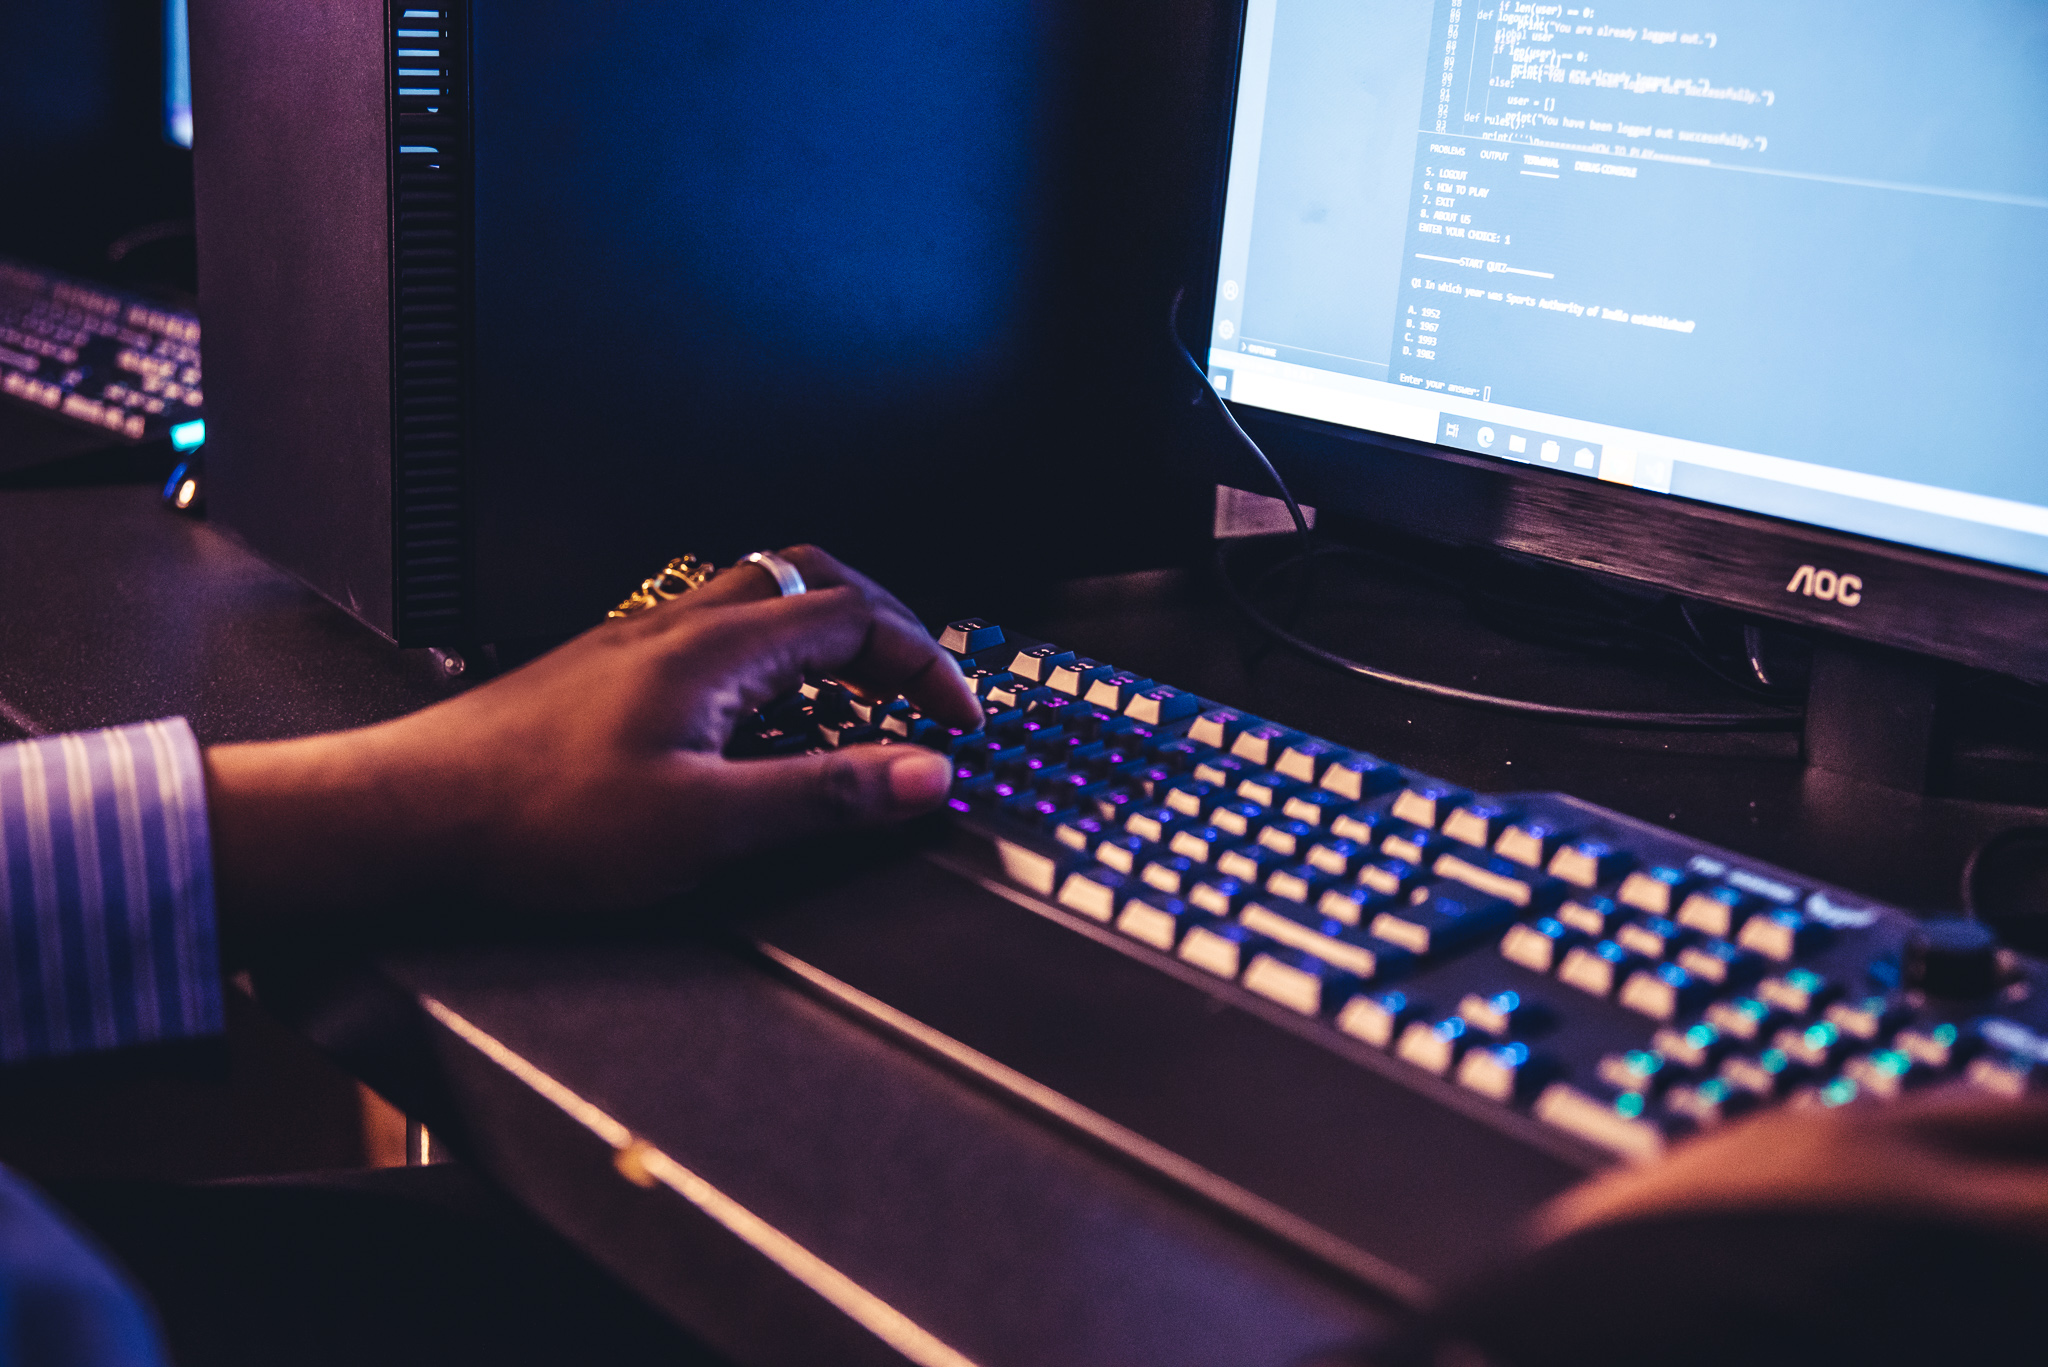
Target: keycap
[(1434, 1045), (1598, 968), (1155, 823), (1816, 1045), (1266, 788), (1156, 918), (1116, 689), (1498, 877), (1443, 922), (1780, 935), (1798, 991), (1653, 937), (1427, 804), (1390, 877), (1412, 846), (1504, 1072), (1336, 857), (1249, 862), (1353, 905), (970, 636), (1124, 852), (1308, 760), (1221, 947), (1038, 662), (1093, 891), (1361, 823), (1530, 843), (1073, 677), (1315, 806), (1539, 945), (1478, 823), (1170, 873), (1708, 1102), (1638, 1070), (1868, 1018), (1376, 1017), (1885, 1073), (1717, 911), (1235, 816), (1344, 947), (1771, 1073), (1161, 705), (1598, 917), (1743, 1018), (1219, 727), (1224, 771), (1717, 961), (1188, 796), (1018, 693), (1286, 837), (1080, 832), (1696, 1046), (1664, 993), (1301, 982), (1939, 1046), (1219, 895), (1200, 843), (1617, 1124), (1360, 777), (848, 732), (1655, 890), (1495, 1014), (1297, 883), (1588, 863), (1263, 743)]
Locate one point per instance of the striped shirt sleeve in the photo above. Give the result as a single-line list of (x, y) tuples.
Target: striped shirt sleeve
[(107, 932)]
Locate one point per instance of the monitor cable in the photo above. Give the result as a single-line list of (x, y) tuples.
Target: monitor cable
[(1579, 716)]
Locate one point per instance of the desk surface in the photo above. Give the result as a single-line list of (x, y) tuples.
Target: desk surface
[(998, 1236)]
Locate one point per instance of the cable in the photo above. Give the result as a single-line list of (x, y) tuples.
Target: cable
[(1583, 716)]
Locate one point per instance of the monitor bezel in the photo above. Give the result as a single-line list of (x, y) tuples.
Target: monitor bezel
[(1970, 612)]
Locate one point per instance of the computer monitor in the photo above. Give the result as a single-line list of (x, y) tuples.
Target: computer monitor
[(1741, 299)]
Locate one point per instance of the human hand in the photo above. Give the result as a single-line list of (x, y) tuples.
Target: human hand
[(591, 777), (1953, 1153)]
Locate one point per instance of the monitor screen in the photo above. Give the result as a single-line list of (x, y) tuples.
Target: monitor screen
[(1780, 258)]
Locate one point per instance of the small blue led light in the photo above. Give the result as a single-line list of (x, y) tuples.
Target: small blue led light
[(189, 436)]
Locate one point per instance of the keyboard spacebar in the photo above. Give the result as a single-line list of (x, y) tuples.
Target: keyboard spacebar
[(1352, 1167)]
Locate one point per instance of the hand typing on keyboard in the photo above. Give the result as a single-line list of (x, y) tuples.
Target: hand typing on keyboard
[(594, 776)]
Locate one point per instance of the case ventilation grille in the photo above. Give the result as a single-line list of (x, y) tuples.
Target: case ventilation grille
[(430, 282)]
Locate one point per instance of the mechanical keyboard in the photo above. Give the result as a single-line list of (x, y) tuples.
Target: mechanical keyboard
[(1578, 984), (102, 359)]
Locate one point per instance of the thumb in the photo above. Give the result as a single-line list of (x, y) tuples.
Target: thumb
[(767, 802)]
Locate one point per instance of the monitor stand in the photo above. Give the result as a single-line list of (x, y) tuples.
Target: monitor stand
[(1874, 714)]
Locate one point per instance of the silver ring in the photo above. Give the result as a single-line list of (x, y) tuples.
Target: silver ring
[(789, 582)]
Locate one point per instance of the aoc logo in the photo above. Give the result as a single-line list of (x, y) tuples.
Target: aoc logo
[(1846, 589)]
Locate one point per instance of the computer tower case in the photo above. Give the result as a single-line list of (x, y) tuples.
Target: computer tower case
[(506, 302)]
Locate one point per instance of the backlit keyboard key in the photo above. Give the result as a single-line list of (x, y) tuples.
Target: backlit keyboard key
[(1504, 1072), (1315, 806), (1359, 777), (1161, 706), (1477, 823), (1219, 727), (1222, 948), (1093, 892), (1250, 862), (1598, 969), (1301, 982), (1427, 804), (1263, 743), (1618, 1124), (1297, 883), (1588, 863), (1539, 946), (1530, 843), (1653, 937), (1497, 877), (1657, 891), (1156, 919), (1496, 1014), (1390, 877), (1115, 690), (1289, 838), (1338, 858), (1308, 760), (1341, 946), (1664, 993), (1155, 823), (1743, 1018), (1169, 873), (1442, 922), (1434, 1045), (1376, 1017), (1073, 677), (1225, 771), (1716, 911), (1124, 852), (1779, 935), (1038, 663), (1266, 788), (1353, 905), (1594, 916), (970, 636), (1236, 816), (1200, 843), (1219, 895), (1189, 796)]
